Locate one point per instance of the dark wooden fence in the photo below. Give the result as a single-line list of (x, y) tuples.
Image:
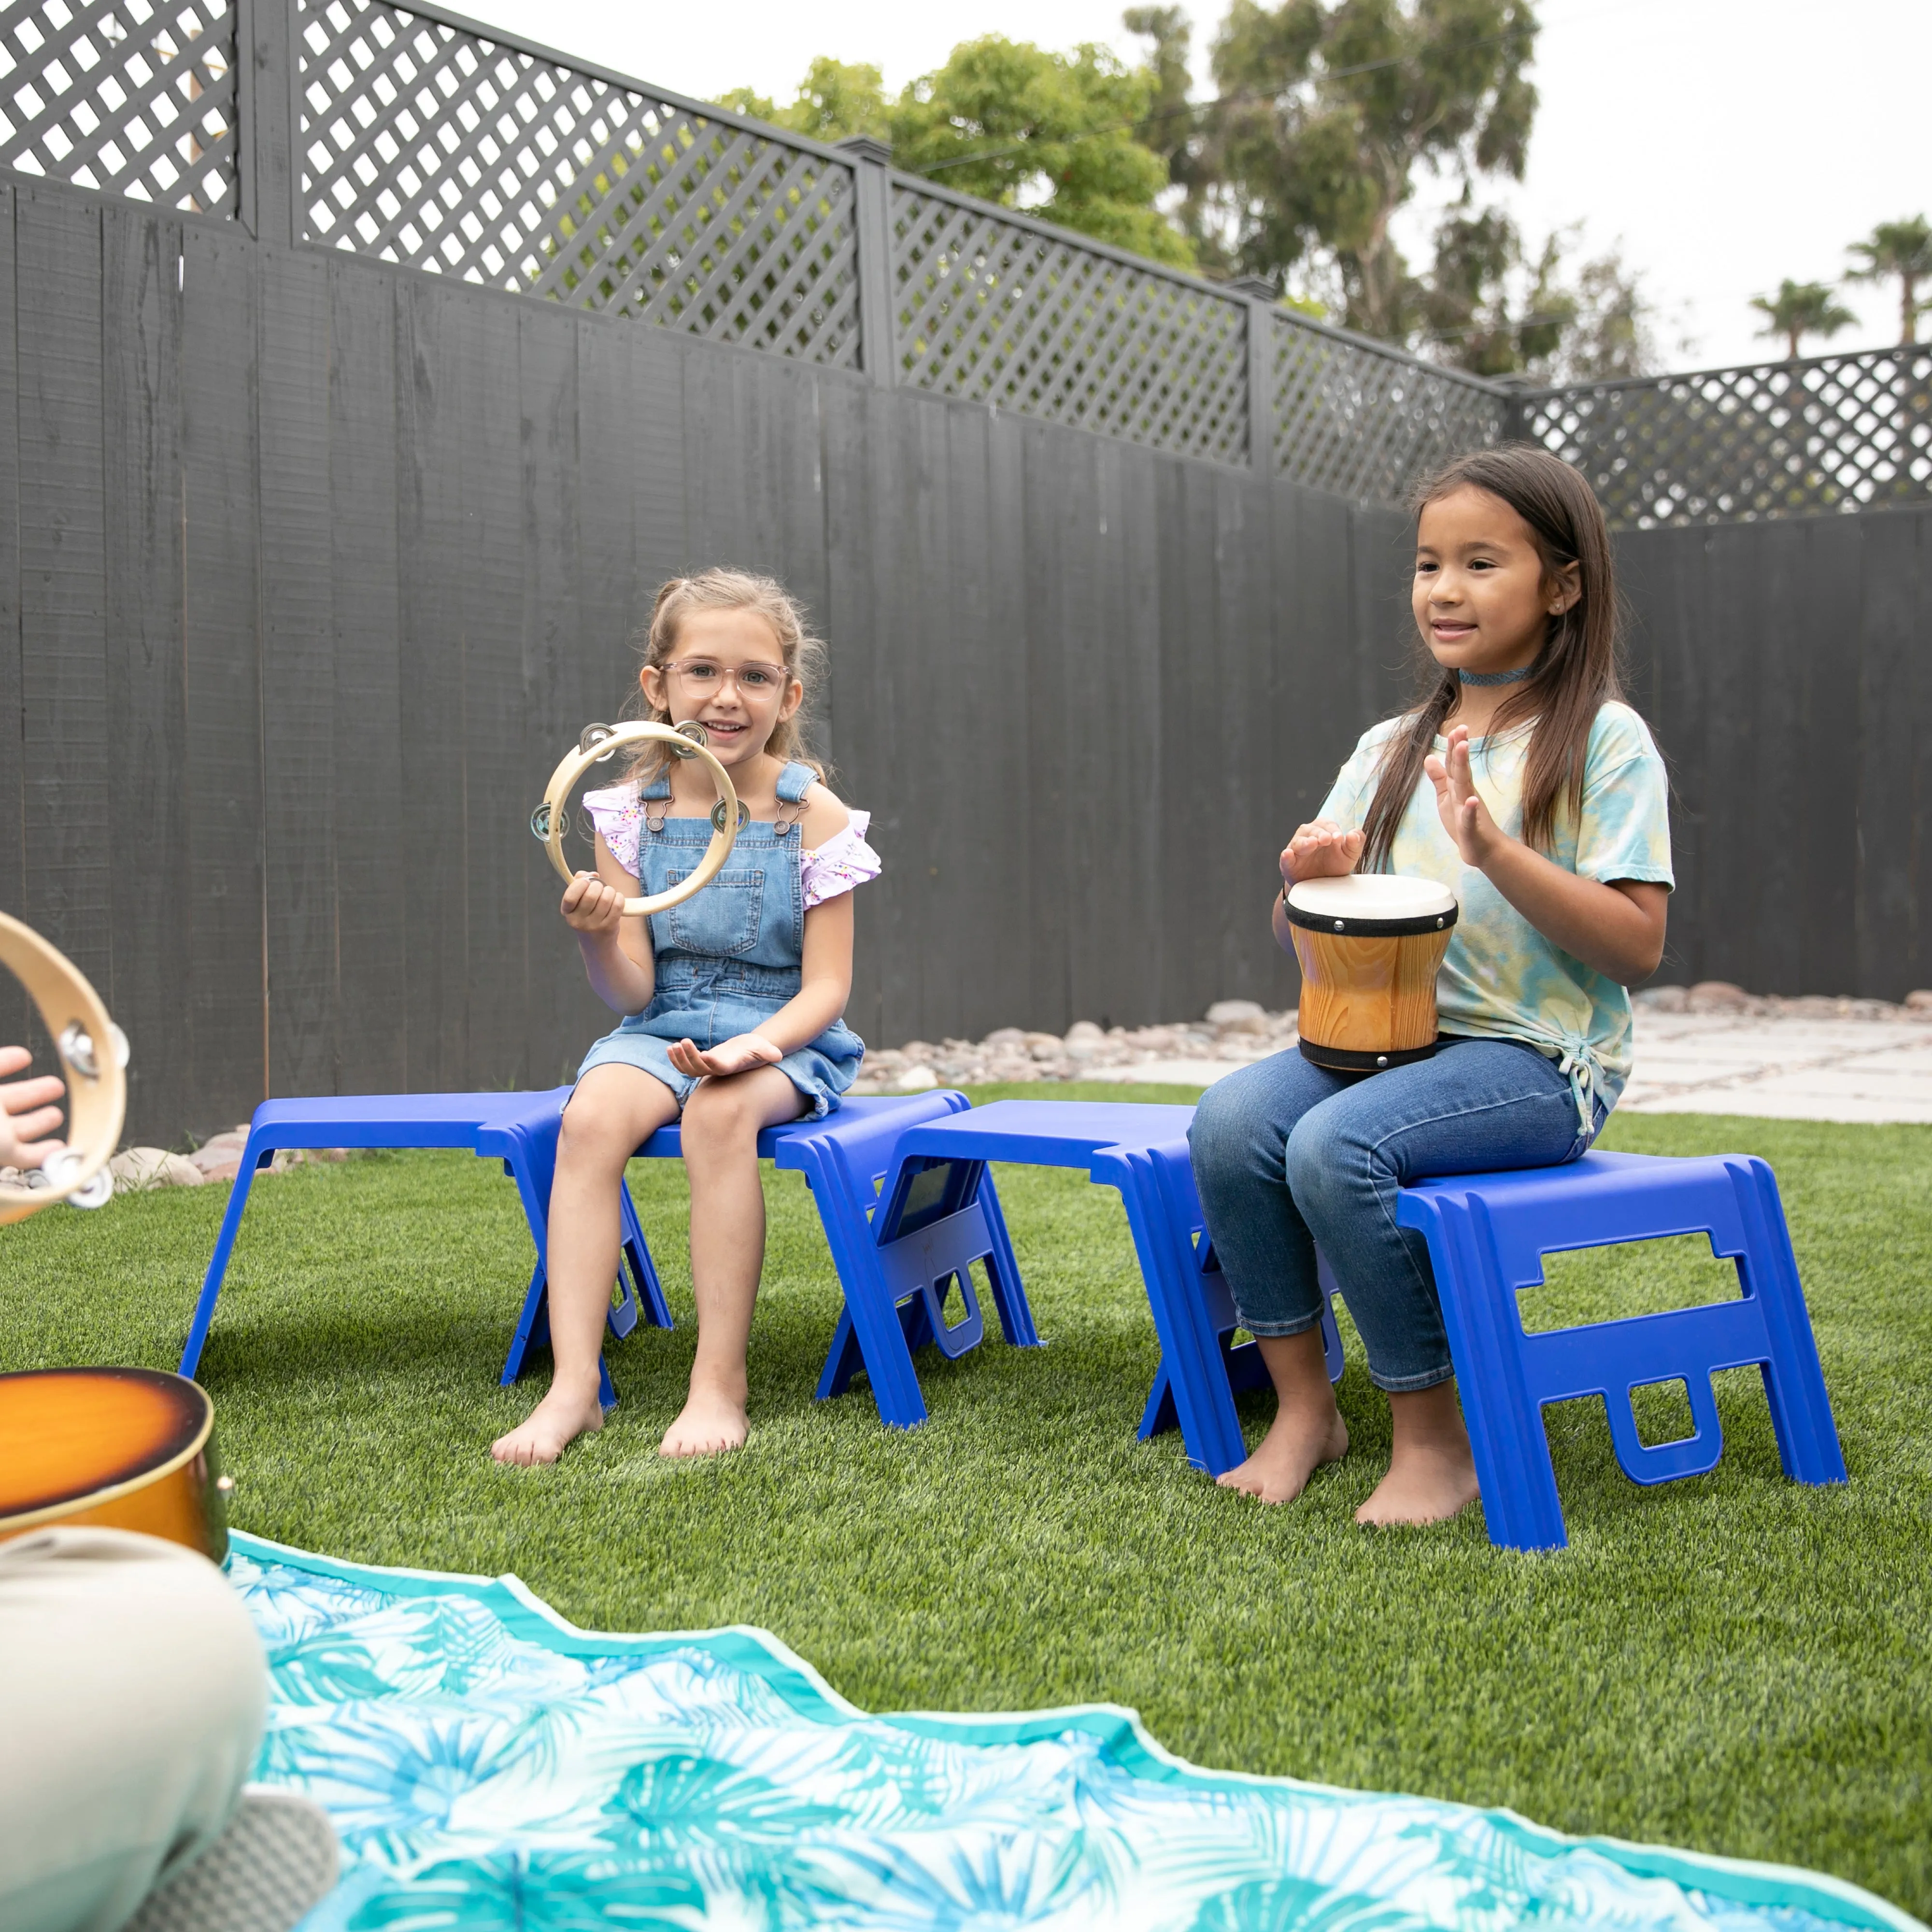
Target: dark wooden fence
[(317, 566), (1787, 667), (313, 563)]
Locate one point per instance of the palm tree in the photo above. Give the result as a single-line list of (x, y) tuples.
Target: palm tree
[(1800, 309), (1904, 249)]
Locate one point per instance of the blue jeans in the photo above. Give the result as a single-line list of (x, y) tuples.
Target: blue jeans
[(1287, 1155)]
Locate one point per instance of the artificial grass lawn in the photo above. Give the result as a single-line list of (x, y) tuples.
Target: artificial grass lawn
[(1730, 1663)]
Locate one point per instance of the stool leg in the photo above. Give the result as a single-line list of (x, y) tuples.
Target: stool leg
[(1159, 1414), (1794, 1382), (252, 1154), (531, 1163), (1003, 1271), (1331, 1335), (532, 1325), (1514, 1470), (843, 1361), (1158, 1189), (644, 1289), (870, 1322)]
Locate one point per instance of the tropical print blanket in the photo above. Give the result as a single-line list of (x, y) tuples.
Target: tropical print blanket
[(487, 1765)]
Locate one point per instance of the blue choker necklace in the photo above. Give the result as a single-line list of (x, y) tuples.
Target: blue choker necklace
[(1495, 676)]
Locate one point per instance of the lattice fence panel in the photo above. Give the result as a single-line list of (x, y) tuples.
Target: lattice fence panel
[(1366, 424), (133, 97), (421, 144), (1775, 439), (987, 309)]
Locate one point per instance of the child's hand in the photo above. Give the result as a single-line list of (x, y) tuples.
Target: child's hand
[(1320, 850), (27, 1112), (591, 906), (1465, 816), (739, 1055)]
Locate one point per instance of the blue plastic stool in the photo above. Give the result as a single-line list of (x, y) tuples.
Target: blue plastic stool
[(521, 1129), (896, 1272), (1141, 1150), (1487, 1234)]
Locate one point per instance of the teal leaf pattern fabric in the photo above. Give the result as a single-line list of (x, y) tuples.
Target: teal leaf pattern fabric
[(491, 1768)]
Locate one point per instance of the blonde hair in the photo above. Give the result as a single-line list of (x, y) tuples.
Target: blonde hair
[(727, 590)]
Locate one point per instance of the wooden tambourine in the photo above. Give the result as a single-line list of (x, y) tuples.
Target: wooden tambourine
[(549, 823), (93, 1053), (111, 1449)]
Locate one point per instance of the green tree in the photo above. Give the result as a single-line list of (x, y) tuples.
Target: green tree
[(1904, 249), (1170, 128), (834, 99), (1493, 306), (1800, 309), (1054, 134), (1613, 335), (1327, 109), (1466, 307)]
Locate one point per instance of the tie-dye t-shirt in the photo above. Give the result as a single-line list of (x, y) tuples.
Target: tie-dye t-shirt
[(1501, 977)]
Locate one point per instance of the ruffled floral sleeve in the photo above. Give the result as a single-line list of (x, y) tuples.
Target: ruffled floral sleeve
[(844, 861), (615, 812)]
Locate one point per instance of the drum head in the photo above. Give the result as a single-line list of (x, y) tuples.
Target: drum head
[(1387, 904)]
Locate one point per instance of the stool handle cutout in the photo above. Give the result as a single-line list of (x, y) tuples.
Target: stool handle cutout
[(1693, 1455)]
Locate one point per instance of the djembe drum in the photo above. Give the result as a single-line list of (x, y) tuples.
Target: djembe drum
[(1370, 945)]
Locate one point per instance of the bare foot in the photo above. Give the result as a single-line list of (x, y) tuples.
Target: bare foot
[(556, 1422), (1432, 1474), (1424, 1484), (1296, 1445), (712, 1421)]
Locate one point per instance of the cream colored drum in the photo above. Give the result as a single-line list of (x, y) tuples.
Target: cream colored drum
[(93, 1053), (550, 821), (1369, 947)]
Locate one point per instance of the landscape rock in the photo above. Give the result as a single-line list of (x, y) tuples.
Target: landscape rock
[(1707, 995), (1083, 1041), (137, 1170), (1237, 1016), (1239, 1031)]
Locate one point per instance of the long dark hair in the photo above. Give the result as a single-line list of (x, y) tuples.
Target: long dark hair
[(1575, 673)]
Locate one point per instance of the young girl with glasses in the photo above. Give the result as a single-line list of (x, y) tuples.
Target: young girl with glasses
[(732, 1001), (1522, 782)]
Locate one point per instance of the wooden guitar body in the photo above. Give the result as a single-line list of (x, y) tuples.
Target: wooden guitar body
[(113, 1449)]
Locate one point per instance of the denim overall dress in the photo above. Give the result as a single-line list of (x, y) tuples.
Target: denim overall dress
[(730, 955)]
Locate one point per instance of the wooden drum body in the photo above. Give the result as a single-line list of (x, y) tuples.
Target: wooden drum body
[(1369, 947), (111, 1449)]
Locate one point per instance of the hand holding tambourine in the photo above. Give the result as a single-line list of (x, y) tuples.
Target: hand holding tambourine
[(93, 1054), (550, 822)]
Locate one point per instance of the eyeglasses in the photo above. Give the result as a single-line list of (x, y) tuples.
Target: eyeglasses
[(701, 677)]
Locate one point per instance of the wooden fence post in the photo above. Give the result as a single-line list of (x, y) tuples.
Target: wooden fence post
[(265, 53), (1260, 302), (1516, 408), (872, 227)]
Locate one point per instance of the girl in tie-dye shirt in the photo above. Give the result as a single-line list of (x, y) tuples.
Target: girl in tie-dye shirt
[(1522, 782)]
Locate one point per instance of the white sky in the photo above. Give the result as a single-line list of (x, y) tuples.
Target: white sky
[(1726, 143)]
